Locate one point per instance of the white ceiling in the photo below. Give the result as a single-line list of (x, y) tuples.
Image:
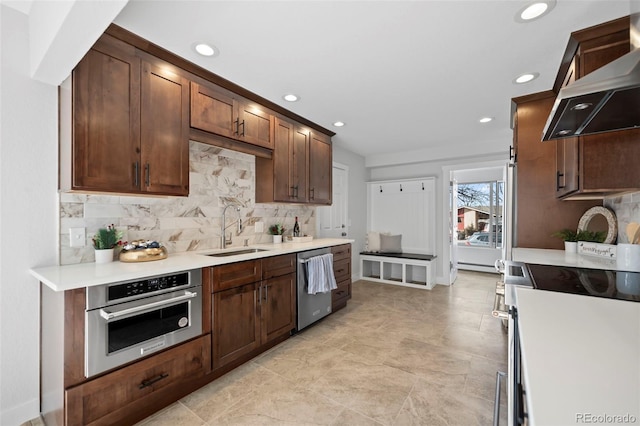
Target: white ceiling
[(410, 78)]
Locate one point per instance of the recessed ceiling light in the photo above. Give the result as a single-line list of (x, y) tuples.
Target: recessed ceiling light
[(205, 49), (338, 124), (485, 119), (535, 10), (527, 77), (290, 97)]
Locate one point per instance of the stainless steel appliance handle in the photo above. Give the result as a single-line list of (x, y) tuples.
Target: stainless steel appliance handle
[(497, 312), (137, 309), (496, 401)]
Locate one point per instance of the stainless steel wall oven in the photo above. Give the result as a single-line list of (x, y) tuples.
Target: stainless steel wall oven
[(128, 320)]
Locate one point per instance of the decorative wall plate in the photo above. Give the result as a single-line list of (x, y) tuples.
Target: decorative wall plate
[(609, 215)]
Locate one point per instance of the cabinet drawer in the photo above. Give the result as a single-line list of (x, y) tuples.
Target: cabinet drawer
[(341, 252), (236, 274), (277, 266), (342, 269), (340, 295), (117, 396)]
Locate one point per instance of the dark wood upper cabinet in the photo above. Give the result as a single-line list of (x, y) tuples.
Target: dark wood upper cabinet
[(567, 152), (594, 166), (219, 111), (539, 213), (106, 118), (130, 123), (212, 109), (164, 131), (300, 168), (320, 169)]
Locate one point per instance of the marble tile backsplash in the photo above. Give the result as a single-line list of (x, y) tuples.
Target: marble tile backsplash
[(217, 177), (627, 209)]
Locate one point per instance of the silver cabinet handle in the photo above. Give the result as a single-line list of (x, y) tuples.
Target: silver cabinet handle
[(147, 179), (135, 175), (109, 315), (496, 401)]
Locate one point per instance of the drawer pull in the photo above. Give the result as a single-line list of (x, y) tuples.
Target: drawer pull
[(149, 382)]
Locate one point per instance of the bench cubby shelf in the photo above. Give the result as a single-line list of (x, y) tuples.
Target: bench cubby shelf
[(405, 269)]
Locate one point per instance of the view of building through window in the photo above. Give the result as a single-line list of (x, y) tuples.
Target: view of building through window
[(480, 212)]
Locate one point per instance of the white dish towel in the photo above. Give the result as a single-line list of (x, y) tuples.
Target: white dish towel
[(320, 277)]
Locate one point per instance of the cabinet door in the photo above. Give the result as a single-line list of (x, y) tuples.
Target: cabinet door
[(320, 169), (106, 119), (255, 125), (283, 186), (213, 110), (277, 307), (165, 131), (299, 165), (236, 327)]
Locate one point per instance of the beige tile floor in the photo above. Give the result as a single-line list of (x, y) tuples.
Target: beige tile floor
[(394, 356)]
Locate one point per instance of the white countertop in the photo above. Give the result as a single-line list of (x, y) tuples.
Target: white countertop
[(581, 356), (69, 277), (561, 258)]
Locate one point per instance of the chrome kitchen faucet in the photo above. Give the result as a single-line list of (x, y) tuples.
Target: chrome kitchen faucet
[(223, 240)]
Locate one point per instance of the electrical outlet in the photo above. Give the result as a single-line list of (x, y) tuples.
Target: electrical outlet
[(258, 227), (77, 237)]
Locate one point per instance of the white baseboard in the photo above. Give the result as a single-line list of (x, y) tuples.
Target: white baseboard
[(20, 414)]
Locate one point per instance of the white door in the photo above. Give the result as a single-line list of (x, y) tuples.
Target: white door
[(333, 220), (453, 231)]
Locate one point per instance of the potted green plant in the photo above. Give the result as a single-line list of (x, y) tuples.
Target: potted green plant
[(570, 238), (276, 230), (591, 236), (104, 241)]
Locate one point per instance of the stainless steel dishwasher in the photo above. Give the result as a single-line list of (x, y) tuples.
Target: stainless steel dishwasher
[(311, 307)]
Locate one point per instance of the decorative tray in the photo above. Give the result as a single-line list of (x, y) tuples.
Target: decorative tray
[(304, 239), (143, 251)]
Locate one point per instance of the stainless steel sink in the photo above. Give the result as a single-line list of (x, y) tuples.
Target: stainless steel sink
[(235, 252)]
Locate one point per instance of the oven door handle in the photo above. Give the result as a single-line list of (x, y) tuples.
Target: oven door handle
[(137, 309), (498, 310)]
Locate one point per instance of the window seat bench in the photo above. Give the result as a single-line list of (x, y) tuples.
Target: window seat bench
[(406, 269)]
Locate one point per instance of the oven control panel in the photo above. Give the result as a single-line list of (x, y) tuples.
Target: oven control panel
[(148, 285)]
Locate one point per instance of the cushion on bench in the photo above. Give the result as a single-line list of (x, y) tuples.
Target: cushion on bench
[(415, 256)]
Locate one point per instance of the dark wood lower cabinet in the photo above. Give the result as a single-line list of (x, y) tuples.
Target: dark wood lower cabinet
[(136, 391), (277, 307), (236, 328), (250, 313), (342, 272), (252, 308)]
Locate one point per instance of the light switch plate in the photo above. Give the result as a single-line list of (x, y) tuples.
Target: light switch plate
[(258, 227), (77, 237)]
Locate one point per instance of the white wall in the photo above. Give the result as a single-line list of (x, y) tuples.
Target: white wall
[(357, 202), (28, 215), (435, 169)]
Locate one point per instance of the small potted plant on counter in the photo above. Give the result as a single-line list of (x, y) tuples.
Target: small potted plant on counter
[(570, 238), (104, 241), (277, 230)]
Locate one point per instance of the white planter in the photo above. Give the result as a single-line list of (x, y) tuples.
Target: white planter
[(571, 246), (277, 239), (104, 256)]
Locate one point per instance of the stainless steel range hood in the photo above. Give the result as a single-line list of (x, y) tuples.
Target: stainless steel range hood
[(607, 99)]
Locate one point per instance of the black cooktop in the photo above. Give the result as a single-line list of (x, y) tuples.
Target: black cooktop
[(589, 282)]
